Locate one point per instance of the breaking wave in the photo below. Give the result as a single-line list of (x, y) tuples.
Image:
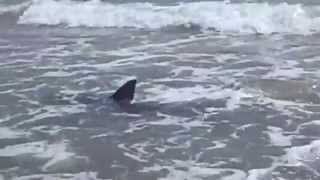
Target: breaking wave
[(13, 8), (220, 16)]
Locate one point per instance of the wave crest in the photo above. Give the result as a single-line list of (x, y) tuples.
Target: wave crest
[(13, 8), (221, 16)]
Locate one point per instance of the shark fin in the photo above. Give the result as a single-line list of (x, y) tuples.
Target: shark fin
[(126, 92)]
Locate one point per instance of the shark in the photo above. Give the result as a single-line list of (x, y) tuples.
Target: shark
[(122, 100), (123, 96)]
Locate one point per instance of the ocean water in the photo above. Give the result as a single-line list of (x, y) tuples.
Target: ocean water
[(227, 90)]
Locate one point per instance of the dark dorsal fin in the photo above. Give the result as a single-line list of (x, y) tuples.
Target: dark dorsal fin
[(126, 92)]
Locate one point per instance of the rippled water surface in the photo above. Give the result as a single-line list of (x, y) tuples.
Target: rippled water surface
[(225, 91)]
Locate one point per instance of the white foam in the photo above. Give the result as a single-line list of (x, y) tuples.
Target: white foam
[(165, 94), (58, 74), (136, 126), (53, 111), (8, 117), (304, 153), (277, 138), (260, 174), (187, 123), (55, 153), (26, 148), (13, 8), (139, 154), (313, 124), (40, 149), (222, 16), (29, 177), (190, 170), (178, 94), (78, 176), (7, 133), (52, 130), (218, 145), (87, 175), (103, 135), (285, 72), (307, 155), (134, 157), (283, 106), (235, 98)]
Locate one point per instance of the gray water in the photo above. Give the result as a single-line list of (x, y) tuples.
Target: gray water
[(213, 101)]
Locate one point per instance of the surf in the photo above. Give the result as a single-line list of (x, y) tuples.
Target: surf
[(262, 18)]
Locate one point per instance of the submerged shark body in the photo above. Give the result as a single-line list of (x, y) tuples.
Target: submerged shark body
[(122, 96), (120, 101), (92, 110)]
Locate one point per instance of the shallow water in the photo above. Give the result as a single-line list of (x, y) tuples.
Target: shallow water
[(215, 99)]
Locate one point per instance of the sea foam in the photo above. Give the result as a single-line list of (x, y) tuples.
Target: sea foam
[(219, 16)]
